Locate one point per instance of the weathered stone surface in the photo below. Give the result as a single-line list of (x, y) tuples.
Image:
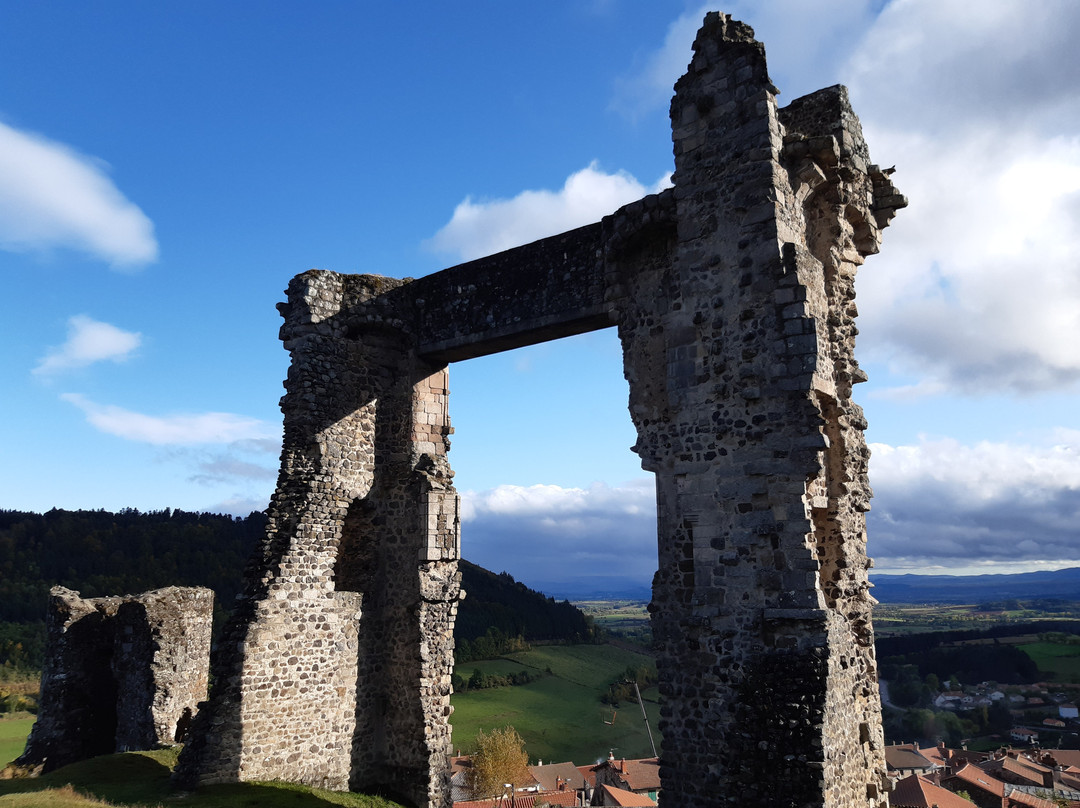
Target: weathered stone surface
[(121, 673), (734, 301)]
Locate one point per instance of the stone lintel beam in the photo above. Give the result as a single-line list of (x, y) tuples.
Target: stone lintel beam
[(546, 290)]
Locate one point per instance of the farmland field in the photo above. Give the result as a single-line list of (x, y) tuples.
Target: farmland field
[(1063, 661), (13, 732), (559, 715)]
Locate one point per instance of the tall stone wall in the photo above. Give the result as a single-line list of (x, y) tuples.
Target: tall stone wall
[(740, 360), (120, 673), (336, 670), (734, 301)]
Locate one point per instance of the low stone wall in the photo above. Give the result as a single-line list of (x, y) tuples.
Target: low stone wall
[(121, 673)]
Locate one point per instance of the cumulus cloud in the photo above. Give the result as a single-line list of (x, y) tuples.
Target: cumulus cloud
[(480, 228), (88, 341), (977, 287), (547, 533), (52, 196), (958, 506), (170, 430)]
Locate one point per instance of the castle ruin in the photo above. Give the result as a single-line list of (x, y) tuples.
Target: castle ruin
[(733, 296), (120, 674)]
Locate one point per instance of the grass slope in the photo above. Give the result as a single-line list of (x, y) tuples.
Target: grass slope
[(1058, 659), (560, 716), (142, 779), (13, 732)]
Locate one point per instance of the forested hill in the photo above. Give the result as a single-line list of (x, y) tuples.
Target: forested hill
[(102, 553), (499, 602)]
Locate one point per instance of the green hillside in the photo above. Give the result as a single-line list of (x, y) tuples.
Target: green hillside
[(559, 714)]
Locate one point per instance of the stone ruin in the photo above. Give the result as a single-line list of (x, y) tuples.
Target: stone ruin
[(733, 296), (121, 673)]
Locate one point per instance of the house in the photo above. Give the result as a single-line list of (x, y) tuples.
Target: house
[(904, 759), (1068, 758), (1022, 799), (1024, 735), (985, 790), (559, 777), (1019, 771), (1055, 723), (1068, 710), (590, 780), (609, 795), (949, 699), (914, 791), (459, 778), (640, 776)]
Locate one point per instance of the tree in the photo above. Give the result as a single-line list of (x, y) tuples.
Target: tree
[(499, 759)]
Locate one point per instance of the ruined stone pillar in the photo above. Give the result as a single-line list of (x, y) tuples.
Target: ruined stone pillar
[(739, 357), (335, 671), (120, 674)]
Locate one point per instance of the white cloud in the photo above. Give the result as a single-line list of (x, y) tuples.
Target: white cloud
[(481, 228), (176, 430), (977, 288), (89, 341), (554, 501), (52, 196), (963, 506), (546, 533)]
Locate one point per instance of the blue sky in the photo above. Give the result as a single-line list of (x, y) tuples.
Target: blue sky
[(166, 168)]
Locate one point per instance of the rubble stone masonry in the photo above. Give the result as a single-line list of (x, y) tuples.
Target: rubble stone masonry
[(121, 673), (733, 296)]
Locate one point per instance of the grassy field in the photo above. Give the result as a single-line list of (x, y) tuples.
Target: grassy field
[(1063, 661), (142, 779), (13, 732), (560, 715), (894, 619), (616, 615)]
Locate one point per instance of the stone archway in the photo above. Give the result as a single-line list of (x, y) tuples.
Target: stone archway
[(734, 302)]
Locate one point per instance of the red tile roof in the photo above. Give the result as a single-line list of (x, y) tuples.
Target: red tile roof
[(1032, 773), (918, 792), (588, 773), (550, 775), (1017, 797), (642, 774), (1064, 757), (618, 796), (905, 756), (523, 799), (974, 776)]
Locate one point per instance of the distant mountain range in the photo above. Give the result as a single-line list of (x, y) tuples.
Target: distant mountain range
[(1057, 584), (594, 590)]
